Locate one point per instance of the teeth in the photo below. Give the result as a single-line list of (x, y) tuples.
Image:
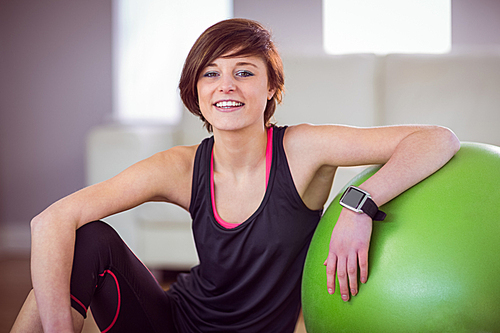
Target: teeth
[(228, 104)]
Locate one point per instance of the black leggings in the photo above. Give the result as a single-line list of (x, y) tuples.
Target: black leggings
[(123, 294)]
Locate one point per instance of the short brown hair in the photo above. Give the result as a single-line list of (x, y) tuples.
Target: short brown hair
[(242, 37)]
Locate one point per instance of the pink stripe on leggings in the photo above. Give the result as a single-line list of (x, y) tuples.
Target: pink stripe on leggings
[(79, 303), (119, 299)]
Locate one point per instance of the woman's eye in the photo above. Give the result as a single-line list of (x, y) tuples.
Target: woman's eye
[(210, 74), (244, 73)]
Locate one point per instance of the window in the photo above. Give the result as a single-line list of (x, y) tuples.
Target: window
[(386, 26), (151, 39)]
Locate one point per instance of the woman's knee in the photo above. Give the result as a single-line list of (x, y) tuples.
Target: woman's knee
[(95, 245), (96, 228), (95, 233)]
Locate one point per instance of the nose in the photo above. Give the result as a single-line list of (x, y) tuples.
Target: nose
[(226, 84)]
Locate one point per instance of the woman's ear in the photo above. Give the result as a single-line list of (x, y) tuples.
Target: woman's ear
[(270, 93)]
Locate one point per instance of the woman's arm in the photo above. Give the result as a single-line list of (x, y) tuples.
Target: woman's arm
[(163, 177), (409, 154)]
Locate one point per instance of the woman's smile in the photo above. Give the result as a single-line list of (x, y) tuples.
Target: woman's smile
[(229, 105)]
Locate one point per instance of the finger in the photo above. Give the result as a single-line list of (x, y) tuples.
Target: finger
[(342, 277), (352, 272), (363, 266), (331, 267)]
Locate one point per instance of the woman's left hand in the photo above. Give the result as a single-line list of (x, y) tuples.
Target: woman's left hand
[(349, 246)]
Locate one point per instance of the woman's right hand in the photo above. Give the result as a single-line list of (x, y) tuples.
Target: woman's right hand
[(348, 250)]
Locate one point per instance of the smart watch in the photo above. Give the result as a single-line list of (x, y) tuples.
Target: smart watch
[(360, 201)]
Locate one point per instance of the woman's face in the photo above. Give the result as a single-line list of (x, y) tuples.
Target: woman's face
[(233, 92)]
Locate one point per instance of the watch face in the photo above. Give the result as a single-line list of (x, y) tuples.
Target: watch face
[(353, 197)]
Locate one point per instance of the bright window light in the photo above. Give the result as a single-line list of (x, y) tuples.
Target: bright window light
[(151, 39), (386, 26)]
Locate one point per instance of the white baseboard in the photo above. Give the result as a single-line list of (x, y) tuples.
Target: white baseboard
[(15, 238)]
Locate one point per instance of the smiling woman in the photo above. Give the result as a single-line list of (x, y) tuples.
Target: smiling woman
[(255, 192)]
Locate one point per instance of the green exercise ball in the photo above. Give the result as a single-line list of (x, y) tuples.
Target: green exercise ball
[(434, 263)]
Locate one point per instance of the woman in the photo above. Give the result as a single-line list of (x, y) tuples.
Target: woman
[(255, 192)]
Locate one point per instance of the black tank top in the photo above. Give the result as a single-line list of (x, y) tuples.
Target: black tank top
[(249, 277)]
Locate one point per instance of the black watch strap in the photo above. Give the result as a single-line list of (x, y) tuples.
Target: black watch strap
[(370, 208)]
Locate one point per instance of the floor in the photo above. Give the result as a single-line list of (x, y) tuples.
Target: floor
[(15, 284)]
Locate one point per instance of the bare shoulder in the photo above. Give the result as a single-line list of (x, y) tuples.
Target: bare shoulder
[(298, 136), (308, 134), (304, 146), (309, 141), (174, 169), (178, 159)]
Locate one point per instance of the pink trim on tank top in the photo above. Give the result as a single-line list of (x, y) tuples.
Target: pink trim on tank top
[(269, 159)]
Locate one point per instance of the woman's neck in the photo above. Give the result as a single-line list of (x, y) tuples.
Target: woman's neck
[(239, 151)]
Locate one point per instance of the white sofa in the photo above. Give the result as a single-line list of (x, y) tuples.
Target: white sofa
[(461, 91)]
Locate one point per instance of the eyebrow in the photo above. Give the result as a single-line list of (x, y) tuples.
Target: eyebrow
[(240, 63)]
